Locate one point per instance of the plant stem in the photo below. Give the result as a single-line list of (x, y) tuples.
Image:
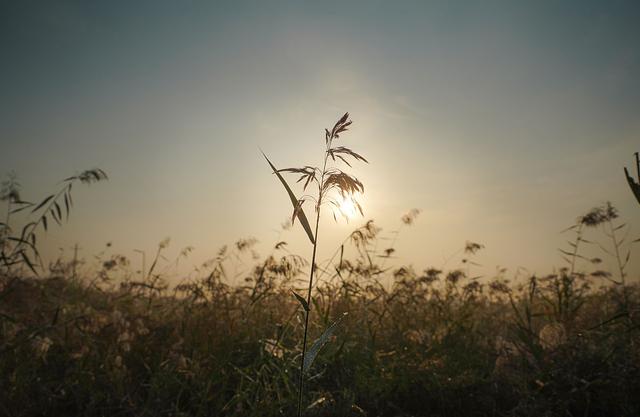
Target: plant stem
[(575, 249), (5, 229), (617, 252), (306, 318), (313, 268), (623, 282)]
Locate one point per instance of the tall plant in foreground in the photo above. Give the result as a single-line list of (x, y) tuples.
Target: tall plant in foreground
[(332, 184), (635, 186)]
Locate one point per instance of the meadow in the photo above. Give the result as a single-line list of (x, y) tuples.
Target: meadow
[(410, 343), (504, 123)]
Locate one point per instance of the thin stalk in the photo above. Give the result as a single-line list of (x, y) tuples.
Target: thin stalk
[(625, 294), (313, 268), (8, 212), (306, 318), (5, 230), (575, 249), (393, 244), (617, 252)]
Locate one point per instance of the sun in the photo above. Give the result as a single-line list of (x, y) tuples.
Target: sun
[(348, 207)]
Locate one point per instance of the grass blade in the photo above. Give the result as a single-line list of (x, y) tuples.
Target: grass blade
[(28, 262), (42, 203), (635, 187), (311, 354), (299, 212), (301, 300)]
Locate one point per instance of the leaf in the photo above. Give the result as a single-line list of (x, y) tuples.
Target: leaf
[(311, 354), (569, 228), (44, 222), (565, 252), (25, 229), (28, 262), (296, 210), (54, 215), (300, 213), (66, 205), (635, 187), (58, 209), (69, 194), (343, 160), (42, 203), (346, 151), (301, 300), (619, 227), (24, 205), (359, 208), (23, 241), (626, 259)]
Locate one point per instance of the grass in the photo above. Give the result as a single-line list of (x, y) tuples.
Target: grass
[(415, 343), (332, 184), (433, 343)]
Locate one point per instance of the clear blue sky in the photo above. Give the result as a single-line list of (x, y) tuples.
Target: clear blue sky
[(502, 121)]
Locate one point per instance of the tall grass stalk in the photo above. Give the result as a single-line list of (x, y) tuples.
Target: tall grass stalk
[(308, 309), (331, 183), (9, 192)]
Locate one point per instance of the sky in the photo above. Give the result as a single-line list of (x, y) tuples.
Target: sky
[(501, 121)]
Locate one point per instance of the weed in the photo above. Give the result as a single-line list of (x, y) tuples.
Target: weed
[(331, 183)]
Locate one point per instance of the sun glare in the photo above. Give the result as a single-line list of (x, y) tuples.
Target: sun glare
[(348, 208)]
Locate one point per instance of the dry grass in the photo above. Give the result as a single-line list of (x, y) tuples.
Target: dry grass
[(434, 343)]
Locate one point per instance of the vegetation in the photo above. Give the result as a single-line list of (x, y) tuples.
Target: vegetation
[(333, 186), (431, 343), (635, 186), (18, 249)]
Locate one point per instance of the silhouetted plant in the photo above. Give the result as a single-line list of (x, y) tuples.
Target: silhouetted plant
[(407, 219), (22, 249), (433, 343), (331, 183), (635, 186), (9, 192), (605, 216)]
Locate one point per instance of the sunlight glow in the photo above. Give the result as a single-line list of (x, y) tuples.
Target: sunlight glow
[(348, 208)]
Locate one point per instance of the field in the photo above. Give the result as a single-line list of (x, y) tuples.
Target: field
[(430, 343), (498, 146)]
